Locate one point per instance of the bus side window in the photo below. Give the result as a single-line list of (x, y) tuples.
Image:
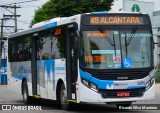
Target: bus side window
[(27, 48), (44, 46), (20, 55), (58, 43), (27, 54), (11, 50)]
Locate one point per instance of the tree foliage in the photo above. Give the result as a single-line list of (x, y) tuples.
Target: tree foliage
[(65, 8)]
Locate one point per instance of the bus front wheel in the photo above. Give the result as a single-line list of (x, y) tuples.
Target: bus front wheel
[(65, 105), (26, 97)]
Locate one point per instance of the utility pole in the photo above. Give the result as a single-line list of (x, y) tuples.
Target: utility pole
[(15, 17), (2, 37), (14, 14)]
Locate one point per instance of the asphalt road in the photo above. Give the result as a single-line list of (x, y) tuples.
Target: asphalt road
[(10, 97)]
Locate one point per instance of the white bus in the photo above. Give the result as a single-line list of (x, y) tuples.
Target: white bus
[(91, 57)]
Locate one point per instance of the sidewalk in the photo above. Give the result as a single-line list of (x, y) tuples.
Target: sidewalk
[(157, 85), (3, 85)]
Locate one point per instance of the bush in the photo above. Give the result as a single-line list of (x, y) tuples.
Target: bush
[(157, 78)]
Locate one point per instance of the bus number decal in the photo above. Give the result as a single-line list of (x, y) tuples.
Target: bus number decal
[(141, 83), (117, 59)]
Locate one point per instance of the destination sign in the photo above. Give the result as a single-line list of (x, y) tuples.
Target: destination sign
[(115, 20), (95, 59), (98, 34)]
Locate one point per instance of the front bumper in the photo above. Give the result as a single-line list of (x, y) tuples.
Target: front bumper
[(87, 95)]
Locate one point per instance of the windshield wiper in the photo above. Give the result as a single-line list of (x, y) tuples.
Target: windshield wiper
[(107, 37), (130, 38), (112, 43), (126, 46), (114, 46), (127, 42)]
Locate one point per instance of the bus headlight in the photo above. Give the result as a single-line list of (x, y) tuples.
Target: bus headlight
[(90, 85), (85, 82), (93, 87), (149, 83), (152, 81)]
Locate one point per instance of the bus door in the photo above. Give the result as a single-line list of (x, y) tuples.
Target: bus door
[(34, 64), (71, 61)]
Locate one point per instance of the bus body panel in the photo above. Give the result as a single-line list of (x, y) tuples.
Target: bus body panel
[(49, 72), (17, 72)]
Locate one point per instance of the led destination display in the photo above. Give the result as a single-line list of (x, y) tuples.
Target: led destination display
[(115, 20)]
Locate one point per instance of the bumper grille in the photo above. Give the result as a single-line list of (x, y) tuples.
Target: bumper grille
[(119, 74), (129, 75), (113, 93)]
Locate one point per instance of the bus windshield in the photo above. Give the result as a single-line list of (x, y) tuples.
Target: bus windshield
[(109, 49)]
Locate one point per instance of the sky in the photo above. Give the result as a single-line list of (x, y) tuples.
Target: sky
[(27, 11)]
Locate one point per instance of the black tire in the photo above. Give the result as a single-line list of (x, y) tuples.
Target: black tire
[(26, 97), (65, 105)]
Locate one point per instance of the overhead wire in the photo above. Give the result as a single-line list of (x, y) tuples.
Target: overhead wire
[(22, 22), (8, 30), (21, 2), (29, 6)]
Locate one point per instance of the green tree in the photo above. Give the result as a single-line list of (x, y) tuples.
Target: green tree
[(65, 8)]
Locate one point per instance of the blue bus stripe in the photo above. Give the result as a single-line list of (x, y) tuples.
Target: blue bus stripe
[(100, 12), (85, 75), (102, 84), (50, 25), (135, 87), (20, 77)]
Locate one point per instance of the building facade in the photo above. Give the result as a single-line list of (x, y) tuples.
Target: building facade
[(144, 7), (156, 31)]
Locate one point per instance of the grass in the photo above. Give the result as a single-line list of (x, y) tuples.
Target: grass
[(157, 78)]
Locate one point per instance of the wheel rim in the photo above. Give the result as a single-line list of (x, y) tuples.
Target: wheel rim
[(64, 98)]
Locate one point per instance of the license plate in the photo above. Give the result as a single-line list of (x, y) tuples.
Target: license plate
[(123, 94)]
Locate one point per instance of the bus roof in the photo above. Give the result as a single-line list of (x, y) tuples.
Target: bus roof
[(44, 25), (53, 22)]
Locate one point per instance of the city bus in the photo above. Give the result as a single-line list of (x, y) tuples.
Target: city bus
[(99, 57)]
